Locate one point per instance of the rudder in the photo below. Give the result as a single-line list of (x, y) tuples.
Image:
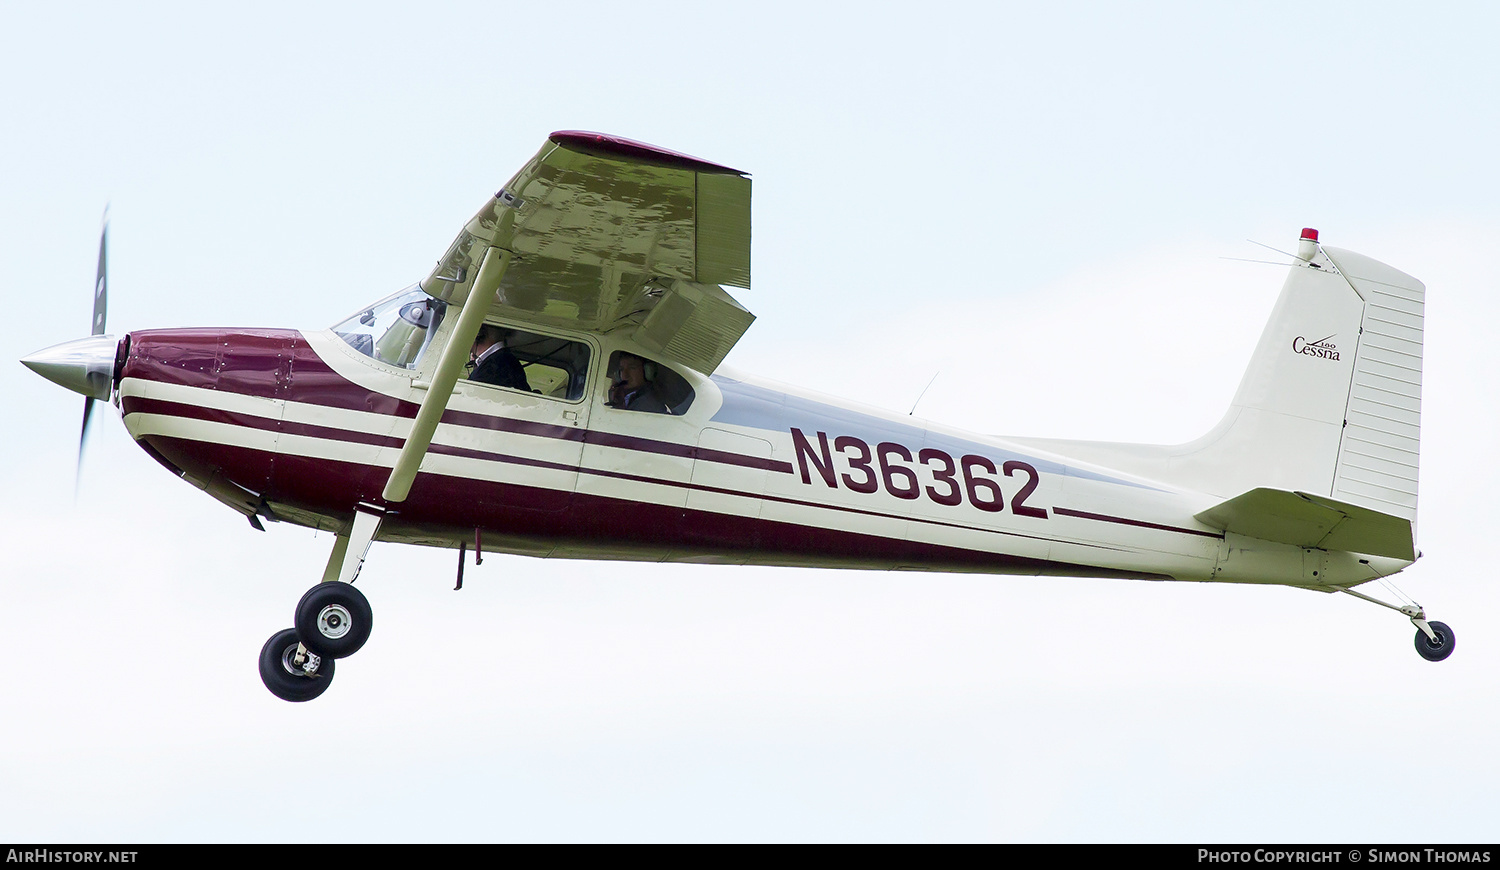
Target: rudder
[(1377, 459)]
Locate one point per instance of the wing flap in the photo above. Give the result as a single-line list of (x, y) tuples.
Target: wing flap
[(1307, 520), (695, 324)]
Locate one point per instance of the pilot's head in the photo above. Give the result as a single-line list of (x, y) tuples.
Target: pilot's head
[(489, 336), (632, 371)]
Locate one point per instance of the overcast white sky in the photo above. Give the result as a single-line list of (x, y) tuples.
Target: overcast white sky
[(1034, 199)]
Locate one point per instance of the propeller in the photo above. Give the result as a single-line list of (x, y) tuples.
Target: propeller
[(101, 308), (86, 365)]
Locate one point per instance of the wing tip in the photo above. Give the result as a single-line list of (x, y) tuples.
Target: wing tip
[(606, 145)]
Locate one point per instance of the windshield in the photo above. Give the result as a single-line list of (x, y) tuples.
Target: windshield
[(395, 330)]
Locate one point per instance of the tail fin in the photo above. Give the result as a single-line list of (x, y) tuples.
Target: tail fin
[(1331, 401), (1330, 404)]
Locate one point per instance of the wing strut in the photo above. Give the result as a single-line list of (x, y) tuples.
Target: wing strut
[(481, 297)]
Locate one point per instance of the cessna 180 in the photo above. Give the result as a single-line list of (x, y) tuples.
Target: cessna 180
[(592, 283)]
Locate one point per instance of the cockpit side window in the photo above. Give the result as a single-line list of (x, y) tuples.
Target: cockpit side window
[(528, 361), (640, 384), (397, 329)]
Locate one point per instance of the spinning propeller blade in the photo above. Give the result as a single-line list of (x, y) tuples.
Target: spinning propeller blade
[(101, 278), (101, 307)]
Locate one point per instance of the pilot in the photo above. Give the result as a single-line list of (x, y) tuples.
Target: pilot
[(493, 362), (632, 390)]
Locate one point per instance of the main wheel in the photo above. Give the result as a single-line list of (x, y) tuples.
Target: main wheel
[(283, 677), (333, 619), (1435, 651)]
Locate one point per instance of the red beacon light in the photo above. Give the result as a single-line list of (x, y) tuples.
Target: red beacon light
[(1307, 248)]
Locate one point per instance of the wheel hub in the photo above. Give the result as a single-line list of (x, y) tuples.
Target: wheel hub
[(288, 661), (334, 621)]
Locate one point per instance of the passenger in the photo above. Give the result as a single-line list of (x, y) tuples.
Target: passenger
[(632, 390), (493, 362)]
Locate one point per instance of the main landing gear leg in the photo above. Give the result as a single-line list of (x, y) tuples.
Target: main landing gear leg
[(1434, 640), (332, 621)]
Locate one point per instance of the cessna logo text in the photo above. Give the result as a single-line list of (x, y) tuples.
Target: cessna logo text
[(1323, 348), (931, 473)]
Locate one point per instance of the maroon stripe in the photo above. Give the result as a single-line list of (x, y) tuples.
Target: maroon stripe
[(510, 424), (136, 404), (812, 504), (141, 405), (292, 428), (510, 459), (725, 458), (688, 451), (699, 487), (1124, 521), (771, 541), (611, 439), (444, 508)]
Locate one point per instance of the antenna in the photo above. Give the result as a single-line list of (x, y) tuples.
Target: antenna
[(923, 393), (1278, 250)]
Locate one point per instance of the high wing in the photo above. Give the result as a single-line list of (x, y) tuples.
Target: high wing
[(605, 234), (595, 233)]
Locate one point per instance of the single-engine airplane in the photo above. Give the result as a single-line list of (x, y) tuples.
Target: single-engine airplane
[(599, 422)]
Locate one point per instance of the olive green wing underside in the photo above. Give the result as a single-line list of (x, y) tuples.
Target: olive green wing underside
[(611, 234)]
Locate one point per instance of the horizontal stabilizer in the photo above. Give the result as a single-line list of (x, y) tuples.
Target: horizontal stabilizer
[(1306, 520)]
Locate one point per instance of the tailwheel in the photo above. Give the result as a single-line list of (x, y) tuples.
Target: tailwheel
[(333, 620), (1437, 647), (1434, 639), (288, 678)]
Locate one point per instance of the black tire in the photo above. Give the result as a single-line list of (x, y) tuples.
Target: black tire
[(1436, 652), (333, 620), (283, 678)]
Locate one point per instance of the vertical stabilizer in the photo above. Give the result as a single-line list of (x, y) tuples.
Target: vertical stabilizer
[(1329, 406), (1285, 425)]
